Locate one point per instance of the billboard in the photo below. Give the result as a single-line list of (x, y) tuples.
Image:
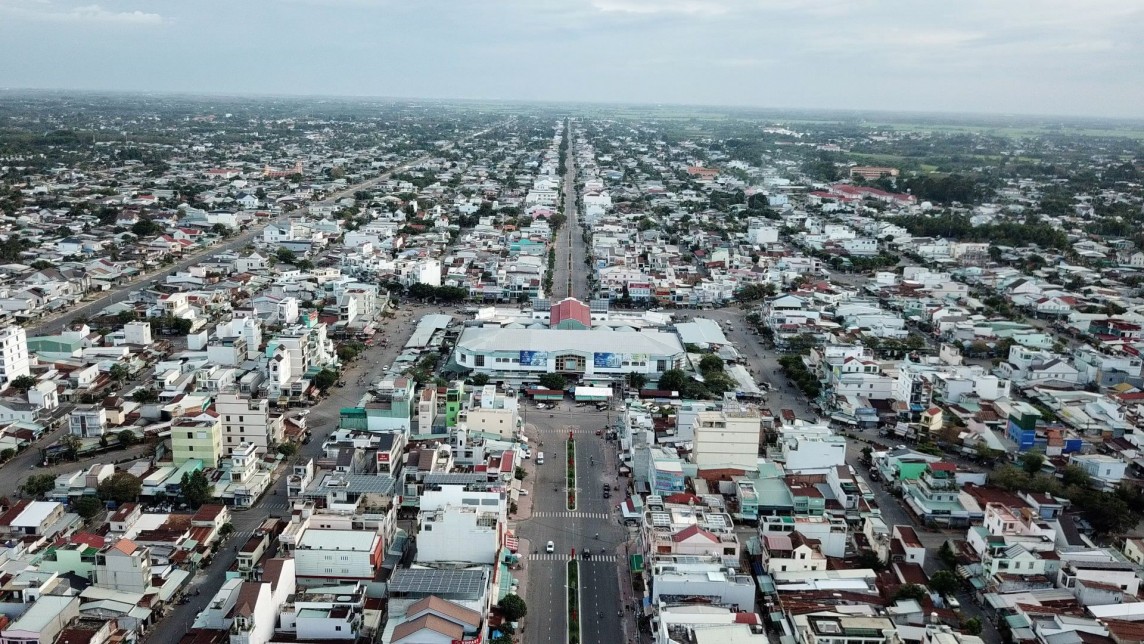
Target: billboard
[(637, 357), (607, 360), (534, 358)]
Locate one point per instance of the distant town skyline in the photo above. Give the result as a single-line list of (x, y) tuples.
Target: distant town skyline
[(1040, 57)]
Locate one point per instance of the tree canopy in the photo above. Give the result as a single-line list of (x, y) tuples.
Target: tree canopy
[(196, 488), (120, 487)]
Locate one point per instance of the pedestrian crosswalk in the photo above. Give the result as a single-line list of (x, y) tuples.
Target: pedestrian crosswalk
[(571, 514), (556, 556), (276, 505)]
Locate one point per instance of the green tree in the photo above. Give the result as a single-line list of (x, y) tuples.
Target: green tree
[(553, 381), (226, 530), (145, 228), (38, 485), (6, 454), (325, 379), (636, 380), (1032, 462), (972, 626), (71, 445), (944, 582), (286, 256), (948, 557), (1075, 476), (119, 372), (196, 488), (87, 506), (513, 607), (480, 379), (127, 438), (673, 380), (23, 383), (121, 487), (288, 450), (145, 396), (910, 591), (710, 363)]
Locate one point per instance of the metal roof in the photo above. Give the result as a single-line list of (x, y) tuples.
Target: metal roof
[(359, 483), (458, 478), (460, 584)]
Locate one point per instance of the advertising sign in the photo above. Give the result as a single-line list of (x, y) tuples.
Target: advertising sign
[(607, 360), (534, 358), (637, 357)]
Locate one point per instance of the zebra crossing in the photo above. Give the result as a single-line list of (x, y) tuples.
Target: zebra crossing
[(276, 505), (556, 556), (571, 514)]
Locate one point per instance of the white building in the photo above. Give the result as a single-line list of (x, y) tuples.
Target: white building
[(1106, 471), (790, 553), (14, 361), (322, 615), (809, 450), (464, 534), (247, 421), (760, 231), (491, 412), (727, 438), (87, 421), (323, 557), (522, 355), (137, 333), (124, 566)]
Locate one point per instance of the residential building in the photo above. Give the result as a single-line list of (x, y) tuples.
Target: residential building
[(43, 621), (828, 627), (1105, 471), (14, 360), (124, 566), (459, 534), (728, 438), (323, 557), (247, 420), (791, 552), (87, 421), (491, 412), (198, 438)]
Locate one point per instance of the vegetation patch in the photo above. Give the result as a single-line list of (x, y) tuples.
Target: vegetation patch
[(571, 473), (573, 602)]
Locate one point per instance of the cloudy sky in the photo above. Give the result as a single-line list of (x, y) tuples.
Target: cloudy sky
[(1082, 57)]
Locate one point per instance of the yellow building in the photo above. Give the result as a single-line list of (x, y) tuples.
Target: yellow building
[(197, 437)]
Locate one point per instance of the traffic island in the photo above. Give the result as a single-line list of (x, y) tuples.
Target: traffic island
[(573, 601), (571, 473)]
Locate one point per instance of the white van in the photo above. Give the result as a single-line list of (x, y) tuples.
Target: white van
[(540, 458)]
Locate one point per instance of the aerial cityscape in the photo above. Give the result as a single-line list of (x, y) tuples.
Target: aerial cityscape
[(581, 322)]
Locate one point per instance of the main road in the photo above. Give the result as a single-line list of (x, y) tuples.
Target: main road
[(570, 278), (591, 526)]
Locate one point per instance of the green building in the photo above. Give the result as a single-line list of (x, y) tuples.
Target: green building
[(454, 402)]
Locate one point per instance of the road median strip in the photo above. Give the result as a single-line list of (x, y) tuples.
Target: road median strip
[(571, 472), (573, 601)]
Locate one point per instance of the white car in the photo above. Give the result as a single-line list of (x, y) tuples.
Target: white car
[(551, 547)]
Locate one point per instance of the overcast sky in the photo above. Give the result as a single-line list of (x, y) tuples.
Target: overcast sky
[(1081, 57)]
